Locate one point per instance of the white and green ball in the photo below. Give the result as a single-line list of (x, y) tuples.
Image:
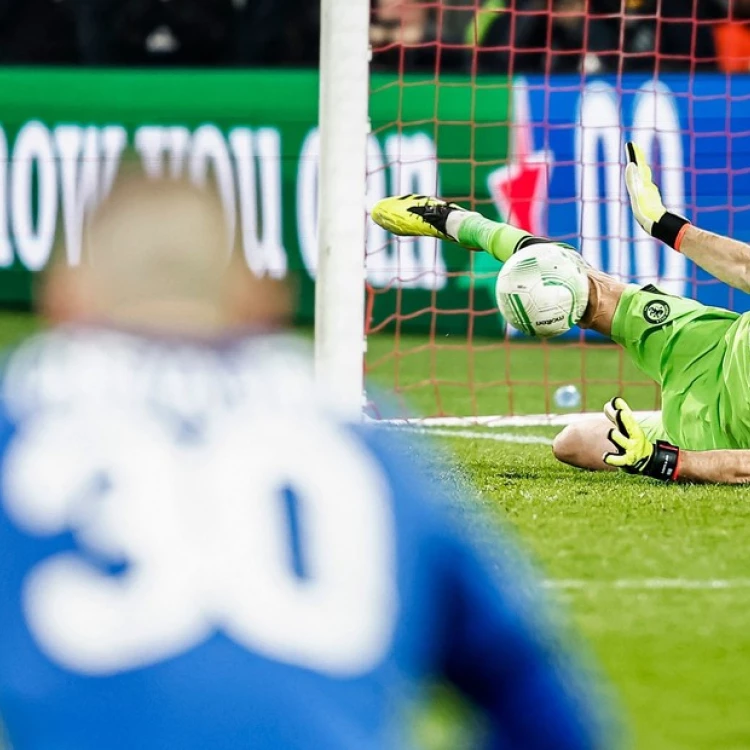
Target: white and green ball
[(543, 289)]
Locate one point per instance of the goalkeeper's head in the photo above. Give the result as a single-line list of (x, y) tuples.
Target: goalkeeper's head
[(158, 257)]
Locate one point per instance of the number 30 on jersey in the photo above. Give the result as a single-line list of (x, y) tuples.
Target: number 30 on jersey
[(200, 540)]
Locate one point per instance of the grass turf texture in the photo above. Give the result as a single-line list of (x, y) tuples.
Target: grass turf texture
[(491, 377), (678, 659)]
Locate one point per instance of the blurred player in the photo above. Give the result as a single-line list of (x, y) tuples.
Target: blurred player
[(196, 553), (699, 355)]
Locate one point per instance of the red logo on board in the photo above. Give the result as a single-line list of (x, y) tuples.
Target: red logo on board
[(519, 189)]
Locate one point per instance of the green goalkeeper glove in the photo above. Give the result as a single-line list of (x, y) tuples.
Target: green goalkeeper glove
[(646, 201), (634, 452)]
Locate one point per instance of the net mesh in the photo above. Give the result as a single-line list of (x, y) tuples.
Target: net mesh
[(519, 109)]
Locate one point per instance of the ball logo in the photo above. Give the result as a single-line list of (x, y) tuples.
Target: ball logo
[(550, 321), (656, 312)]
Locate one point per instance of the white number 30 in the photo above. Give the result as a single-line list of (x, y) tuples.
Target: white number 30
[(204, 540)]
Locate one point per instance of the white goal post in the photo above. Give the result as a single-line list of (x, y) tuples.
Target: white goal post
[(344, 126), (340, 275)]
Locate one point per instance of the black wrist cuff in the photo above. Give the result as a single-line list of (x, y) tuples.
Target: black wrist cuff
[(668, 228), (664, 463)]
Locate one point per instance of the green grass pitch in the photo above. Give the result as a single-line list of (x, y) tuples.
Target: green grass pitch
[(676, 653), (656, 579)]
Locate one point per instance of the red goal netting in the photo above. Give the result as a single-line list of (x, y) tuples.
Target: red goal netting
[(519, 109)]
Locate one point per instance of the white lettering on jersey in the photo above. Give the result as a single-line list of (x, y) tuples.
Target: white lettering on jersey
[(204, 539)]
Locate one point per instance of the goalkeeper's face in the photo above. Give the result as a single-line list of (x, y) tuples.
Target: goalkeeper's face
[(158, 257)]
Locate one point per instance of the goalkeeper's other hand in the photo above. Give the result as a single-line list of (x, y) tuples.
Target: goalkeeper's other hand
[(646, 201), (634, 452)]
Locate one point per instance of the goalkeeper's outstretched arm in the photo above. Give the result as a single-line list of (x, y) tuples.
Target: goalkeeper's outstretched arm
[(633, 452), (715, 467), (724, 258)]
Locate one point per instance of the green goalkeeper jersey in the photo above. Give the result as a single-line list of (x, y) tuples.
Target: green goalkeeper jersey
[(699, 355), (701, 358)]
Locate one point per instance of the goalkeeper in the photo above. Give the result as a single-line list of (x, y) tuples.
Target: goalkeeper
[(699, 355)]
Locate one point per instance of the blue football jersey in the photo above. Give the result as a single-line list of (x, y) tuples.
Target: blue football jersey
[(195, 552)]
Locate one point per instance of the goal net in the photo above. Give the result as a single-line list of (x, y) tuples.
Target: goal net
[(520, 109)]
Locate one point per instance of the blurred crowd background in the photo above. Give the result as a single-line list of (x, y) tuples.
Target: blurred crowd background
[(493, 36)]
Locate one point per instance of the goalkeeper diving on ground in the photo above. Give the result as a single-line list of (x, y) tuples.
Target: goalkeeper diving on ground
[(699, 355)]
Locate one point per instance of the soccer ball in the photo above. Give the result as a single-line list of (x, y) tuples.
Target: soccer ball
[(543, 289)]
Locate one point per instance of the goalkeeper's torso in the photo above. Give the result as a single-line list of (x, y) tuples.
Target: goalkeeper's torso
[(734, 385), (706, 394)]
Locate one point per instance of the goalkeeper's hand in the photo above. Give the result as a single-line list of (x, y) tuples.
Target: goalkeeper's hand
[(646, 201), (634, 452)]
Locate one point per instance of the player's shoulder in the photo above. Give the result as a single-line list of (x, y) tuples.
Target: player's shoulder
[(399, 455), (419, 474), (84, 365)]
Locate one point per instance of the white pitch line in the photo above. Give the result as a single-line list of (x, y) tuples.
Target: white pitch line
[(650, 584), (502, 437)]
